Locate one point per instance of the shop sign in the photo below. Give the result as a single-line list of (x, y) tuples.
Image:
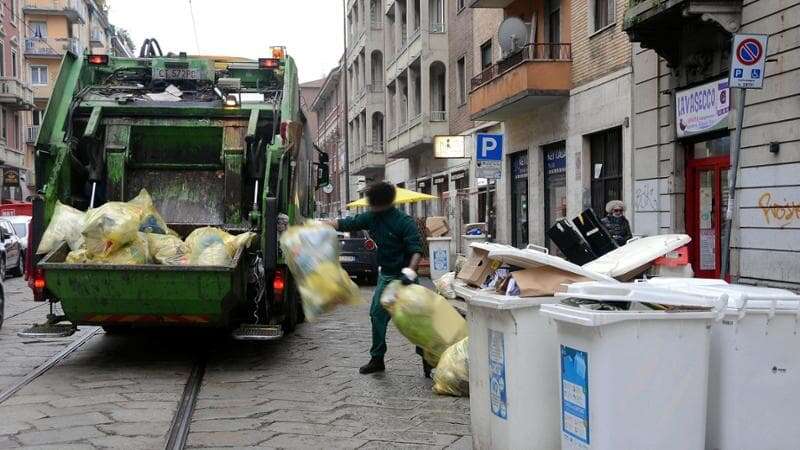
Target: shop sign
[(555, 161), (10, 177), (702, 108), (449, 147), (519, 167), (458, 175), (439, 180)]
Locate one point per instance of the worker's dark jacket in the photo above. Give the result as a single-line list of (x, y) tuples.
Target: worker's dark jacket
[(618, 228), (394, 231)]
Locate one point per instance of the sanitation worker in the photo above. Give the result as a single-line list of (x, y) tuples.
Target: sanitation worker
[(399, 252)]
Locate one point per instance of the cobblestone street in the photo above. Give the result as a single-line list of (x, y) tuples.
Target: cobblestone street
[(122, 391)]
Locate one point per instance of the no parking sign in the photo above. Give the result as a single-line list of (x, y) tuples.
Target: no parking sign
[(747, 61)]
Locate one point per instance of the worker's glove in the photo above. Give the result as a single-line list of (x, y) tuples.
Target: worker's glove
[(408, 276)]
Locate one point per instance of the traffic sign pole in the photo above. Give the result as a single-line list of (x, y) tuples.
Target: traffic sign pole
[(732, 175)]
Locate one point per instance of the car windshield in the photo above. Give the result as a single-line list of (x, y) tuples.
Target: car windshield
[(21, 229)]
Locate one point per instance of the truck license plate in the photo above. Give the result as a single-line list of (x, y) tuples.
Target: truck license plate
[(347, 259), (177, 74)]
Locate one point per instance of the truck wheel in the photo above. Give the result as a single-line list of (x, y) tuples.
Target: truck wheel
[(291, 318)]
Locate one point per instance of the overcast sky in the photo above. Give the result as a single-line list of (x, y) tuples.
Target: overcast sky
[(310, 29)]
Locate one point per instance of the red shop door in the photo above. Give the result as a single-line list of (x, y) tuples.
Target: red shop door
[(706, 202)]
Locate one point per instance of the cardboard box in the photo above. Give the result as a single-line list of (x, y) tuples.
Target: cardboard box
[(436, 226), (543, 281), (478, 267)]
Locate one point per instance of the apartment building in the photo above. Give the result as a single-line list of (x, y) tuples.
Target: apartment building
[(682, 157), (50, 28), (16, 97), (562, 96), (329, 111), (366, 90)]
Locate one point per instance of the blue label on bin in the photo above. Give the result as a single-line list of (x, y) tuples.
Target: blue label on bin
[(575, 396), (441, 260), (497, 375)]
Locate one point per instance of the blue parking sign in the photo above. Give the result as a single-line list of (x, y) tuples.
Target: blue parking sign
[(738, 73), (489, 147)]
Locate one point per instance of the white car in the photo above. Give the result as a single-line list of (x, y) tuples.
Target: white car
[(20, 224)]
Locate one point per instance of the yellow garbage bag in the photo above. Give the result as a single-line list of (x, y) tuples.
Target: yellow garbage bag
[(451, 376), (66, 225), (151, 220), (168, 250), (133, 253), (424, 317), (312, 253), (209, 246), (111, 226), (77, 257)]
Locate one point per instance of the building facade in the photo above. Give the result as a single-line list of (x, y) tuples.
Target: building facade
[(562, 96), (683, 146), (328, 109)]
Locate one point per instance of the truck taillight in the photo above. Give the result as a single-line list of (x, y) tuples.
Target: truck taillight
[(38, 284), (278, 283), (98, 60), (269, 63), (370, 245)]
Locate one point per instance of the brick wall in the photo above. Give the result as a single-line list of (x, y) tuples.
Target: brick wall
[(595, 54), (460, 43)]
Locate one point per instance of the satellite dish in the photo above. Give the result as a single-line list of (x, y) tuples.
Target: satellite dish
[(328, 188), (513, 34)]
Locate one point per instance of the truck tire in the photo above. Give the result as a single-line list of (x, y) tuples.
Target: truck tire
[(293, 308)]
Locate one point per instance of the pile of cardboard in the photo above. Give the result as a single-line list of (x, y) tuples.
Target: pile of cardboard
[(436, 226)]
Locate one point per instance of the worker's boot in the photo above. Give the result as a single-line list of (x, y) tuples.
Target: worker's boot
[(426, 368), (374, 365)]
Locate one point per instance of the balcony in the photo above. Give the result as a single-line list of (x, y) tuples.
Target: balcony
[(490, 3), (537, 74), (415, 136), (369, 162), (51, 47), (15, 94), (73, 10), (662, 24), (31, 134)]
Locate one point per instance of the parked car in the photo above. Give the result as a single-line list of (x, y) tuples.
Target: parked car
[(11, 255), (20, 224), (359, 256)]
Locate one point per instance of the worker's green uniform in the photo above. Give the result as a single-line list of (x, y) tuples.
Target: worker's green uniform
[(398, 240)]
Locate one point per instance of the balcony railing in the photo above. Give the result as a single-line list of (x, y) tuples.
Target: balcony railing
[(31, 134), (414, 35), (51, 47), (75, 10), (15, 92), (531, 52), (438, 116), (438, 28)]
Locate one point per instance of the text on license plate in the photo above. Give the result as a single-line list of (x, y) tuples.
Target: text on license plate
[(177, 74), (347, 258)]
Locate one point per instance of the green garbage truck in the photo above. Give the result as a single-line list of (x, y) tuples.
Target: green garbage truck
[(216, 142)]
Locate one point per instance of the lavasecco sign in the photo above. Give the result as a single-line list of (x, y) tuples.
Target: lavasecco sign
[(702, 108)]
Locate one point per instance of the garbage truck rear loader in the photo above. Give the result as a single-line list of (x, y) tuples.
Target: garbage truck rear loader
[(216, 142)]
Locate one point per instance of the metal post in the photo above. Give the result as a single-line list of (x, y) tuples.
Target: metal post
[(345, 132), (734, 171)]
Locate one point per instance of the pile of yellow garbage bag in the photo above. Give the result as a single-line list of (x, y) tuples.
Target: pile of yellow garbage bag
[(451, 376), (424, 317), (134, 233), (312, 254)]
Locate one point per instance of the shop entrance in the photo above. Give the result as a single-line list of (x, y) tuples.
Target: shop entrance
[(555, 188), (519, 199), (706, 202)]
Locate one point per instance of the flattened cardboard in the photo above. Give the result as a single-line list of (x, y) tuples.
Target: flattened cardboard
[(477, 267), (544, 281), (436, 226)]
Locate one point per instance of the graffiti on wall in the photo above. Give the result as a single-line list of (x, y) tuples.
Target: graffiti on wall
[(645, 196), (778, 212)]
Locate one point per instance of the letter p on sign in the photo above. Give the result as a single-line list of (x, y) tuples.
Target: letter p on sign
[(490, 147)]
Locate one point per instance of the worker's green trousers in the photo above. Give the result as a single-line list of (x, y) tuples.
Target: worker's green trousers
[(379, 317)]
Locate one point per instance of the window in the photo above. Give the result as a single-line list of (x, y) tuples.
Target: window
[(2, 60), (462, 81), (603, 14), (14, 63), (39, 75), (486, 54), (13, 12), (606, 168), (37, 117), (4, 126), (38, 30)]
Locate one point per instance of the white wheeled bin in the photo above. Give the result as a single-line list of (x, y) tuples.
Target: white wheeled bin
[(633, 379), (512, 362), (754, 373)]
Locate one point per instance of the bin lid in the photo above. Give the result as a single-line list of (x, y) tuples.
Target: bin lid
[(507, 302), (488, 246), (636, 254), (531, 258), (645, 292), (740, 296)]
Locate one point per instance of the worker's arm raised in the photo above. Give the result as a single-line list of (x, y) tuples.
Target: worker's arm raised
[(354, 223)]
